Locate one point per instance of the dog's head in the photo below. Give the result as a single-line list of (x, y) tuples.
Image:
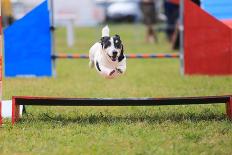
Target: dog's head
[(113, 47)]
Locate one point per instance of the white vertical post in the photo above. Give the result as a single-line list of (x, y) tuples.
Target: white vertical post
[(70, 33), (52, 29), (181, 30)]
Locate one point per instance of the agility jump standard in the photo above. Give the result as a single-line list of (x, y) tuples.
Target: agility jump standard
[(52, 101), (130, 56)]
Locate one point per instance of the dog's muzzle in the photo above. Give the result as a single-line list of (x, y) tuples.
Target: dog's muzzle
[(114, 57)]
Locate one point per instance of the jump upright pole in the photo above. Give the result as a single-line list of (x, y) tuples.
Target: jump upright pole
[(181, 30), (52, 29)]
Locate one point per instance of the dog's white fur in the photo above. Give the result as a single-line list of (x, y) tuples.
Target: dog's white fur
[(100, 58)]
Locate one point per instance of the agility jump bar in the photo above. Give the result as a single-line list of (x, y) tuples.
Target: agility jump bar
[(130, 56), (53, 101)]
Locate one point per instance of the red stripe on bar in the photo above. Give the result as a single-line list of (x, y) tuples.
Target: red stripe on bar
[(62, 55), (76, 55), (132, 55), (160, 55), (146, 55)]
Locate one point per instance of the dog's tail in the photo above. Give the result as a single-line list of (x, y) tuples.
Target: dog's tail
[(105, 31)]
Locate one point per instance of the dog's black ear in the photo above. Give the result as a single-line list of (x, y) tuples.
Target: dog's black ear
[(117, 36), (121, 56)]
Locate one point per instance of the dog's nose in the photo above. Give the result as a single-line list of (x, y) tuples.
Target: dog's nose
[(115, 52)]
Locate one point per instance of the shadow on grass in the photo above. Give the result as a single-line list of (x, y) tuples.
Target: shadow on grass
[(131, 118)]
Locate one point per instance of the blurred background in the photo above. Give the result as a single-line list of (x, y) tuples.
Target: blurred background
[(89, 12), (77, 15)]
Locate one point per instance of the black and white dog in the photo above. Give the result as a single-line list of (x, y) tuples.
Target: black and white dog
[(108, 56)]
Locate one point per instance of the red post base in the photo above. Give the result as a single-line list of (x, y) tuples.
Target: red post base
[(15, 111), (229, 108)]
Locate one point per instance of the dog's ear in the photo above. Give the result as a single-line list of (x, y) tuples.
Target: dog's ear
[(117, 36), (121, 56)]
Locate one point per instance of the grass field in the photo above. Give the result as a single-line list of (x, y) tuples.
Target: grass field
[(201, 129)]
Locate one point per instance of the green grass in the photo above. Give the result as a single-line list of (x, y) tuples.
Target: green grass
[(199, 129)]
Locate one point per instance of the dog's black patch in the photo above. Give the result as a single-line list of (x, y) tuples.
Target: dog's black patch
[(98, 66), (121, 56), (117, 41), (105, 42)]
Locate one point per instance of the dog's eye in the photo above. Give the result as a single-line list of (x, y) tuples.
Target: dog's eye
[(117, 43), (107, 44)]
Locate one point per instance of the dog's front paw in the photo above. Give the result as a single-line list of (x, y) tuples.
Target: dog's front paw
[(112, 72), (119, 70)]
